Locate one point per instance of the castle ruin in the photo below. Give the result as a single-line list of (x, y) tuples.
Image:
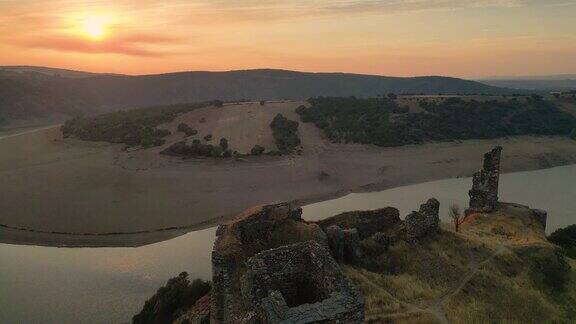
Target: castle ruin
[(484, 193)]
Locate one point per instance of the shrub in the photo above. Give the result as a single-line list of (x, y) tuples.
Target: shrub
[(262, 103), (550, 271), (566, 239), (171, 300), (208, 137), (573, 134), (189, 131), (218, 103), (224, 144), (401, 110), (285, 134), (196, 149), (257, 150), (135, 127)]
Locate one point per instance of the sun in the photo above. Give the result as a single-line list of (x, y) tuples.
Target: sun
[(95, 27)]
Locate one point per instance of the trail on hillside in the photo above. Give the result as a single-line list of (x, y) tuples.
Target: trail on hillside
[(435, 306)]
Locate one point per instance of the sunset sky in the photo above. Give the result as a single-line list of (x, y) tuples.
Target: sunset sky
[(461, 38)]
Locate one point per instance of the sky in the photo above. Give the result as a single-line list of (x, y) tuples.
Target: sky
[(462, 38)]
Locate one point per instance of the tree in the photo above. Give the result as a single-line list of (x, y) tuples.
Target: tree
[(262, 102), (224, 144), (456, 216), (175, 297), (573, 134), (257, 150)]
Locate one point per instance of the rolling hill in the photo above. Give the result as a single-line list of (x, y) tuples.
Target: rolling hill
[(27, 92)]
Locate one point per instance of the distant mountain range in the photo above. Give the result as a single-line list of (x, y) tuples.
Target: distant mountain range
[(559, 82), (27, 91)]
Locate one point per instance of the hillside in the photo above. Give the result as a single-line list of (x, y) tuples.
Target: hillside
[(271, 266), (29, 92), (561, 82)]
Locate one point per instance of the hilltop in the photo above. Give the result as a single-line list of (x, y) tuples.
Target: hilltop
[(271, 266), (34, 92)]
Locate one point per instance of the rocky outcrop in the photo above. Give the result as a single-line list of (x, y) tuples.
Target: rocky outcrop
[(299, 283), (198, 314), (541, 217), (344, 244), (256, 230), (424, 222), (367, 223), (484, 193)]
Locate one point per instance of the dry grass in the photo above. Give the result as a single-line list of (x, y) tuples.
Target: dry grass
[(485, 274)]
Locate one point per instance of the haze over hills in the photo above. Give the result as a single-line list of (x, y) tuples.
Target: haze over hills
[(558, 82), (27, 92)]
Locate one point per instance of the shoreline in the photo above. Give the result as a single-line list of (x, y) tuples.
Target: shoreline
[(91, 190), (24, 236)]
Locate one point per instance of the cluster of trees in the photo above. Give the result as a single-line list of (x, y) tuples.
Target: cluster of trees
[(368, 121), (184, 128), (198, 149), (566, 239), (172, 300), (135, 127), (285, 134)]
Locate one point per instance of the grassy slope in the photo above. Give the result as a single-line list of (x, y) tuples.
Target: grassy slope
[(486, 273)]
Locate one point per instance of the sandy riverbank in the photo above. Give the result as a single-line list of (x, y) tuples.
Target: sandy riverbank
[(50, 184)]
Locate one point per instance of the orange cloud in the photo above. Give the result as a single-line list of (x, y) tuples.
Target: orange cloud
[(134, 45)]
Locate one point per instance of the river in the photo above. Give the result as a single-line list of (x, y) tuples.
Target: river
[(109, 285)]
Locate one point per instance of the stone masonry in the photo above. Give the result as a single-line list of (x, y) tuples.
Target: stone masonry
[(484, 193), (300, 283), (256, 230), (424, 222)]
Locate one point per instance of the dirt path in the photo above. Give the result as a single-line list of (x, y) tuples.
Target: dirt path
[(435, 306)]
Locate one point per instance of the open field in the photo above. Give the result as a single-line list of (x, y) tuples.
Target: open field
[(51, 184)]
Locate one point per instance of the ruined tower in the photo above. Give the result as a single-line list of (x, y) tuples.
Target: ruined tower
[(484, 193)]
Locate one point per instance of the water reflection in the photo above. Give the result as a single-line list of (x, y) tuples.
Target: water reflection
[(109, 285)]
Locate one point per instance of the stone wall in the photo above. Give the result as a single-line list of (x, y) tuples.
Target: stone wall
[(256, 230), (300, 283), (367, 223), (484, 193), (424, 222)]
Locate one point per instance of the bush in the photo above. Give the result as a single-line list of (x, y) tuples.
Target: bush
[(189, 131), (550, 271), (172, 300), (135, 127), (401, 110), (573, 134), (218, 103), (566, 239), (208, 137), (262, 103), (196, 149), (285, 134), (224, 144), (257, 150)]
